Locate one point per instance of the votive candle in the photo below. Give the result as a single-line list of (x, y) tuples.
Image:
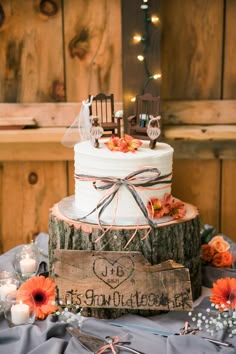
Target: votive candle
[(20, 313), (27, 265), (6, 289)]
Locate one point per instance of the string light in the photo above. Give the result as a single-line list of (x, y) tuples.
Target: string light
[(145, 39)]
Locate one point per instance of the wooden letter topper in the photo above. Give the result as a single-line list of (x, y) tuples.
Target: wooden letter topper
[(121, 280)]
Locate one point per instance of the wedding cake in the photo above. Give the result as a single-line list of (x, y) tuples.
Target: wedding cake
[(114, 188)]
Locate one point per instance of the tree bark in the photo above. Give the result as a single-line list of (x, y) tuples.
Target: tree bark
[(177, 240)]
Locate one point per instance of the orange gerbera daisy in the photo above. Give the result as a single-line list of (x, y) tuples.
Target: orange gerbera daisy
[(43, 292), (224, 293)]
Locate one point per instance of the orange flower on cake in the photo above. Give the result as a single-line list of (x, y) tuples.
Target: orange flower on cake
[(126, 144), (158, 208), (43, 292)]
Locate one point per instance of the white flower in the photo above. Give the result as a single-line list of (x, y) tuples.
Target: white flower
[(119, 114)]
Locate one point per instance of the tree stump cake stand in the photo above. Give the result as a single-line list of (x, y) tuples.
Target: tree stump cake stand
[(178, 240)]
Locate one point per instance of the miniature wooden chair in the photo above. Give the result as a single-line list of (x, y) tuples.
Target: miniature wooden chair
[(103, 108), (145, 106)]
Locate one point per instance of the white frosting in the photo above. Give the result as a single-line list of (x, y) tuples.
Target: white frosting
[(101, 162)]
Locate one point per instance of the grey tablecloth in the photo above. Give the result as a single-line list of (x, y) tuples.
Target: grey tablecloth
[(48, 337)]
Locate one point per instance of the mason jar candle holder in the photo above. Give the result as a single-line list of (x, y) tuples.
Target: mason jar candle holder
[(19, 308), (26, 261)]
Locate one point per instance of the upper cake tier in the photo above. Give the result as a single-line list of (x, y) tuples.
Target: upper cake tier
[(101, 162)]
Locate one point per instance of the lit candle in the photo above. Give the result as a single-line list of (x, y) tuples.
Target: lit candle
[(20, 313), (27, 265), (6, 289)]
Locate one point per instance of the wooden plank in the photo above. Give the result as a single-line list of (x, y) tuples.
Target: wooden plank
[(198, 112), (17, 121), (203, 150), (31, 53), (29, 189), (229, 70), (46, 114), (203, 132), (198, 182), (191, 50), (173, 112), (42, 135), (49, 151), (35, 152), (228, 201), (100, 279), (92, 48), (188, 132)]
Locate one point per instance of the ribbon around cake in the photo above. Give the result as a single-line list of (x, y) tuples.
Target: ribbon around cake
[(144, 178)]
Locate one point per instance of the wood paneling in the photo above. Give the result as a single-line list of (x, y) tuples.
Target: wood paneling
[(31, 53), (191, 58), (228, 201), (228, 205), (133, 71), (26, 205), (80, 48), (46, 114), (229, 69), (35, 151), (92, 48), (198, 182), (198, 112), (191, 50)]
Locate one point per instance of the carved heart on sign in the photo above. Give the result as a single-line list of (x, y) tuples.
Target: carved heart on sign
[(113, 273)]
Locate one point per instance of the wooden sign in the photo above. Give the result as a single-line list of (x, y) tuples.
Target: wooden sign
[(120, 280)]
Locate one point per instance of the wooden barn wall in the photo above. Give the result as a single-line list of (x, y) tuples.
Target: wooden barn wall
[(197, 52), (77, 51)]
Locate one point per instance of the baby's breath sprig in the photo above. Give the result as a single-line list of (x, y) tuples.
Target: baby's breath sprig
[(215, 320)]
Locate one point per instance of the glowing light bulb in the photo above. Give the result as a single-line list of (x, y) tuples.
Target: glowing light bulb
[(156, 76), (144, 7), (140, 57), (155, 19), (137, 38), (133, 99)]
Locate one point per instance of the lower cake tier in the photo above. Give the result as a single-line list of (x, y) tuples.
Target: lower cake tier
[(178, 240)]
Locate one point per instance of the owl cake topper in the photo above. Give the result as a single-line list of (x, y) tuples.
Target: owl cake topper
[(153, 130)]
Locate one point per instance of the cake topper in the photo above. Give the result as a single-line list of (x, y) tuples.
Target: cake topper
[(153, 130), (80, 127), (96, 131)]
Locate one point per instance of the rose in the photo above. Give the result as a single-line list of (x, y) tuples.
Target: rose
[(207, 253), (223, 259), (219, 244)]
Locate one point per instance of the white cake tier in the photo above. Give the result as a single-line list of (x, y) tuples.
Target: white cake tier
[(101, 162)]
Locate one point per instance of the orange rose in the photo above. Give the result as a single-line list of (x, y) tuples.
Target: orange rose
[(219, 244), (207, 253), (223, 259)]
